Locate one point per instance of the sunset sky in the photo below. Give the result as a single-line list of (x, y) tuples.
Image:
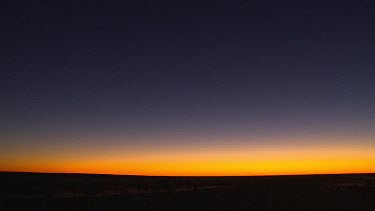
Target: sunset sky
[(187, 88)]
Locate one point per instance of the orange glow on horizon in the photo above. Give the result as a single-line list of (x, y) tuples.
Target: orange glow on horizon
[(235, 161)]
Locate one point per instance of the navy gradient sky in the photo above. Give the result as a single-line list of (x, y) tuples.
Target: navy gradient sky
[(154, 74)]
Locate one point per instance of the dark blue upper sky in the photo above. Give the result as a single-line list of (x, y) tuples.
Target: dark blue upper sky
[(193, 67)]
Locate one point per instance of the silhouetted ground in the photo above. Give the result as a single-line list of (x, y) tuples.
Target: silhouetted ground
[(34, 191)]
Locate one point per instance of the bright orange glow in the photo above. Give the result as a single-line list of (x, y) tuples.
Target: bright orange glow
[(235, 160)]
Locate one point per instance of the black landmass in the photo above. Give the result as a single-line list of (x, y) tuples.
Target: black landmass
[(55, 191)]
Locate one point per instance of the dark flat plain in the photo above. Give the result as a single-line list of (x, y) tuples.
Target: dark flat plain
[(45, 191)]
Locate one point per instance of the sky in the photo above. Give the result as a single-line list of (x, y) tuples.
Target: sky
[(187, 87)]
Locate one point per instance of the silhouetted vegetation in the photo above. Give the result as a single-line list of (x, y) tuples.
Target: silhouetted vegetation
[(34, 191)]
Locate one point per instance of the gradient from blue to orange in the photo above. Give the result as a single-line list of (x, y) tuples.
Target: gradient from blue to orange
[(188, 88)]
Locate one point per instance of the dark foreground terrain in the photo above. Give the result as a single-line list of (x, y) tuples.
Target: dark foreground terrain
[(34, 191)]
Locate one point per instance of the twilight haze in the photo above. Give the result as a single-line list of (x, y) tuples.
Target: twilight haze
[(188, 88)]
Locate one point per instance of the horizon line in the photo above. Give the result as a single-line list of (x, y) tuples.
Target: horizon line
[(139, 175)]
